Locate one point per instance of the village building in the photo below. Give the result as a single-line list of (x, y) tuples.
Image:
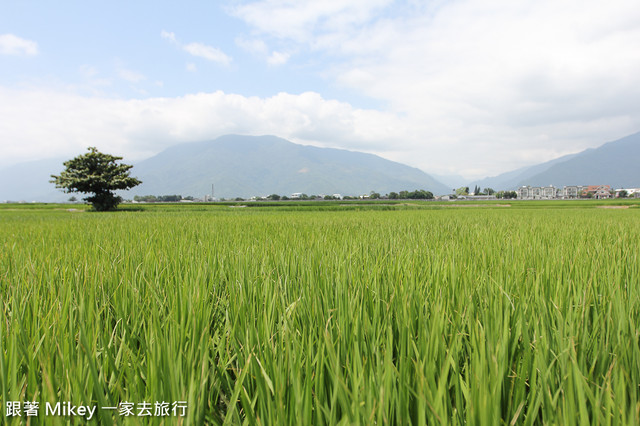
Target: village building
[(565, 193), (630, 192), (599, 192)]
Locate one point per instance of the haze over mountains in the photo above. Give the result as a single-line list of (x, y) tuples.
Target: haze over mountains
[(29, 181), (248, 166), (615, 163), (261, 165)]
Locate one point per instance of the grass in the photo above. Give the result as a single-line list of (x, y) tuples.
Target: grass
[(479, 315)]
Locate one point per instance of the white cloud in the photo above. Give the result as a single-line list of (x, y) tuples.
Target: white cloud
[(169, 36), (191, 67), (68, 123), (259, 48), (11, 44), (207, 52), (130, 76), (201, 50), (474, 87), (254, 45), (91, 80), (88, 71), (278, 58), (301, 20), (484, 86)]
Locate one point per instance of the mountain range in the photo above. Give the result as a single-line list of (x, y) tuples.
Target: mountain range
[(248, 166), (615, 163), (243, 166), (261, 165), (29, 181)]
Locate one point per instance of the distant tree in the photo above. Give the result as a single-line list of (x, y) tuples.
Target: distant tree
[(145, 198), (623, 194), (169, 198), (463, 190), (284, 198), (476, 190), (239, 199), (393, 196), (489, 191), (509, 195), (329, 197), (274, 197), (72, 199), (97, 174), (420, 195), (374, 195), (403, 195)]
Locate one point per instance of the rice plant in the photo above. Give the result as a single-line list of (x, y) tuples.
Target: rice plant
[(263, 316)]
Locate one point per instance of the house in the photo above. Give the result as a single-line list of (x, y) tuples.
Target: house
[(599, 192)]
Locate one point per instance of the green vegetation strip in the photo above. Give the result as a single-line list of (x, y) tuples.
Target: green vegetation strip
[(261, 316)]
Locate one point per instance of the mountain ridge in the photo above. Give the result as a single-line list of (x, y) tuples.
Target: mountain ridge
[(241, 169), (613, 163), (248, 166)]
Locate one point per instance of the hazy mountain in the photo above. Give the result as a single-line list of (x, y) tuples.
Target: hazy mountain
[(261, 165), (251, 165), (29, 181), (451, 181), (512, 179), (615, 163)]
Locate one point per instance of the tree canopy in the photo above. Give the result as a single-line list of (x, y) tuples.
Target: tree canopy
[(463, 190), (98, 174)]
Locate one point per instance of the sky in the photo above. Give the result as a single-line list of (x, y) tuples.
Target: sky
[(460, 87)]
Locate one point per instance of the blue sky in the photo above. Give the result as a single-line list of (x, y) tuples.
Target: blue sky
[(120, 45), (471, 87)]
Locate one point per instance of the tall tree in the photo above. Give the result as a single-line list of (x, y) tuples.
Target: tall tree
[(97, 174)]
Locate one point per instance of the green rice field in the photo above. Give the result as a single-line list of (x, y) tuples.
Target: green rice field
[(328, 313)]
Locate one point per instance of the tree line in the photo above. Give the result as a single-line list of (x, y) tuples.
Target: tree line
[(464, 191), (160, 198)]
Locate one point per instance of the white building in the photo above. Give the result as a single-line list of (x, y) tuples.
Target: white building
[(631, 192), (549, 192)]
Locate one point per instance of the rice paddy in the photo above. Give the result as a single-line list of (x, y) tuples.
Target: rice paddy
[(330, 315)]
